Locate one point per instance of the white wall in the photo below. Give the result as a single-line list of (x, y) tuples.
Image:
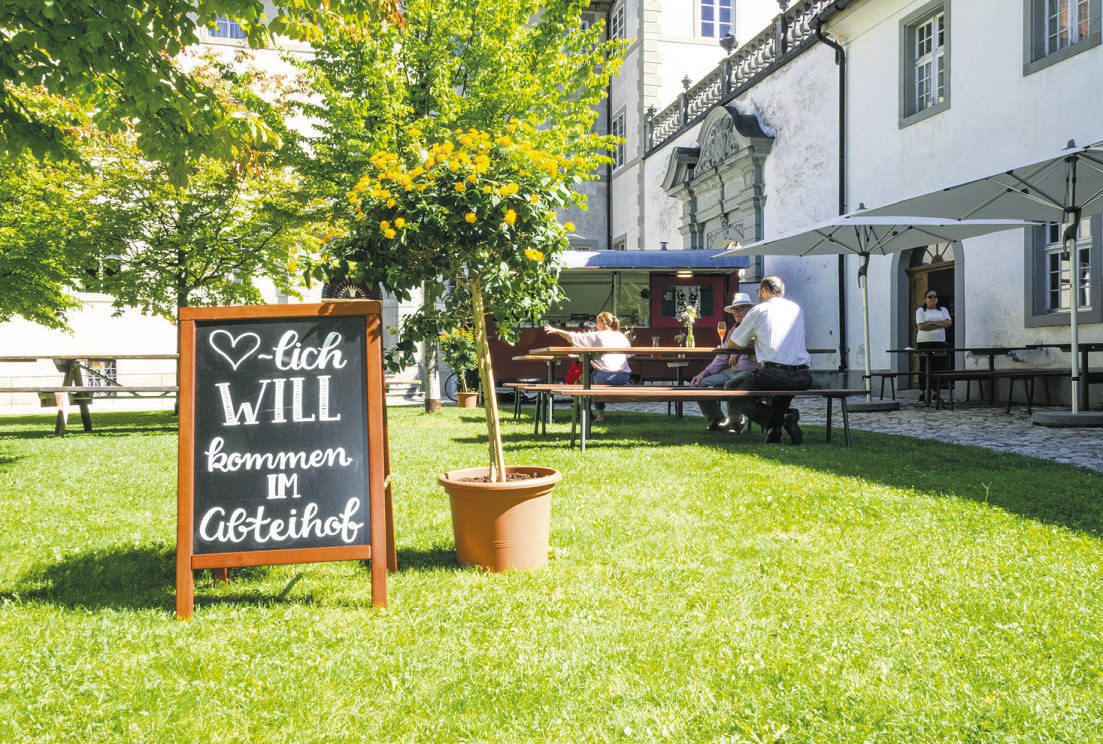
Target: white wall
[(997, 118)]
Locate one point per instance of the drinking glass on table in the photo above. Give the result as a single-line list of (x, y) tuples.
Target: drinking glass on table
[(721, 331)]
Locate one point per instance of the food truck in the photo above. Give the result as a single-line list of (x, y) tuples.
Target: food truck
[(646, 290)]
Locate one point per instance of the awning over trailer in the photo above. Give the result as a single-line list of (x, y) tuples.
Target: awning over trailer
[(652, 260)]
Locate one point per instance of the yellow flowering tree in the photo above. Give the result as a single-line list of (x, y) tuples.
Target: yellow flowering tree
[(471, 217)]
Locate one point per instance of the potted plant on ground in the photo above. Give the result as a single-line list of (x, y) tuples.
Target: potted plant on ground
[(471, 218), (457, 346)]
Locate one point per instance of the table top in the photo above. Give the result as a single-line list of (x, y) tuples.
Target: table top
[(644, 351), (965, 349), (1086, 346), (36, 357)]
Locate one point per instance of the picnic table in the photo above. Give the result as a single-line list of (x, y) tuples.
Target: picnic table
[(1027, 375), (581, 393), (75, 388)]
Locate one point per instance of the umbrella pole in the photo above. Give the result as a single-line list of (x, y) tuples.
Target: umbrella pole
[(1072, 232), (863, 279)]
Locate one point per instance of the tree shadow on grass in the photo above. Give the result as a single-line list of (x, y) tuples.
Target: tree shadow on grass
[(120, 577), (1042, 490), (436, 558), (106, 424), (129, 577)]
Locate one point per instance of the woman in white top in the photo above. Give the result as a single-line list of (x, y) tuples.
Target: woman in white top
[(932, 320), (609, 369)]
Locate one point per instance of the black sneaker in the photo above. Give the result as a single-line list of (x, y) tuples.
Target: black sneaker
[(792, 428), (773, 436)]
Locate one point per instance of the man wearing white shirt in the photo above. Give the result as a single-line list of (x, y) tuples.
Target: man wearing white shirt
[(776, 326)]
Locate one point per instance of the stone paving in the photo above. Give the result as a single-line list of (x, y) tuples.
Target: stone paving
[(977, 424)]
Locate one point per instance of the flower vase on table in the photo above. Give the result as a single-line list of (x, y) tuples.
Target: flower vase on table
[(688, 316)]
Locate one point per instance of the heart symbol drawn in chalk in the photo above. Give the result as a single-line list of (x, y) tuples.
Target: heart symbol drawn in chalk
[(249, 341)]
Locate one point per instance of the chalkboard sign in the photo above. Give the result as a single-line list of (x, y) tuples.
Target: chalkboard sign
[(282, 439)]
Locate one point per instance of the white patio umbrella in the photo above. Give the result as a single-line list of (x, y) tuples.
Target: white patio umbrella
[(865, 235), (1059, 188)]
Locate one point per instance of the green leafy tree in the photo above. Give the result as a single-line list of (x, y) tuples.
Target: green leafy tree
[(38, 262), (511, 89), (118, 57), (126, 229), (166, 246), (456, 64), (474, 211)]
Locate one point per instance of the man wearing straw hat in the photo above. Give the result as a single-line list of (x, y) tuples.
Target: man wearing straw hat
[(726, 369)]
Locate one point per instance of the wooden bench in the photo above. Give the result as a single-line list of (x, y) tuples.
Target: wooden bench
[(1028, 376), (885, 375), (664, 394), (73, 388), (946, 378), (82, 396)]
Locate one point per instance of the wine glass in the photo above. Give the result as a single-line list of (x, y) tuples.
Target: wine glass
[(721, 331)]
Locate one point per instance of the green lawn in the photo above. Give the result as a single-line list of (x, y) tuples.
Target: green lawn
[(699, 590)]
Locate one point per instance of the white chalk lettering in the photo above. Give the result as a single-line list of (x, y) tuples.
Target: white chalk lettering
[(323, 400), (249, 412), (239, 526), (278, 485), (246, 411), (231, 462), (297, 401), (278, 418), (290, 354)]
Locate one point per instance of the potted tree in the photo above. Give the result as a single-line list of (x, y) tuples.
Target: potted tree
[(457, 346), (471, 217)]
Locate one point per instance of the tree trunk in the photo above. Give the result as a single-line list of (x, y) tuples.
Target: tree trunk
[(431, 382), (486, 377)]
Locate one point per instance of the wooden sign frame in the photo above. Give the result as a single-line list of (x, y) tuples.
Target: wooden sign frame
[(381, 549)]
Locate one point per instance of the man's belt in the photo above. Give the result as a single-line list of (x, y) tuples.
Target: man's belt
[(790, 367)]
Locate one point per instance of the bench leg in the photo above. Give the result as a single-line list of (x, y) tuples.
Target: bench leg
[(846, 421), (829, 416), (85, 415)]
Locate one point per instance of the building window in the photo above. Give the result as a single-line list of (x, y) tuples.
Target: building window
[(616, 23), (925, 38), (101, 373), (1057, 29), (617, 129), (716, 18), (1052, 274), (1058, 284), (224, 28)]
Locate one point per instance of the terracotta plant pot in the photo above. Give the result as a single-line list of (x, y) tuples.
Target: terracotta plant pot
[(467, 400), (501, 526)]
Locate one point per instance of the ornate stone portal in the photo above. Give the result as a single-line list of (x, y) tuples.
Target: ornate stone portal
[(720, 182)]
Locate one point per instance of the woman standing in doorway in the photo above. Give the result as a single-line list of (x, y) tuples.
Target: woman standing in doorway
[(932, 320)]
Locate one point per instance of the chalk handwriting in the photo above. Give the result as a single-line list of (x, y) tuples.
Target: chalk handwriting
[(239, 525), (234, 414), (231, 462), (228, 346), (290, 354)]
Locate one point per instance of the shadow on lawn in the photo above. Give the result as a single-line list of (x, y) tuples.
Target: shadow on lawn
[(109, 424), (131, 577), (123, 577), (1033, 488)]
